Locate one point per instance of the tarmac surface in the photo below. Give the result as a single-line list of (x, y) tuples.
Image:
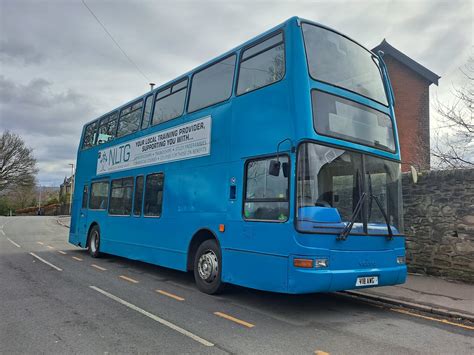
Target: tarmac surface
[(56, 299)]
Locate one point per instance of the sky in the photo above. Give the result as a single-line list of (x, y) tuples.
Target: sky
[(59, 69)]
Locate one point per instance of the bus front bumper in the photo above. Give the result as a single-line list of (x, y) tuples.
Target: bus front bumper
[(301, 280)]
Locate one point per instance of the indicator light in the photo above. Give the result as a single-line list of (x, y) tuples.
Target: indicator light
[(305, 263)]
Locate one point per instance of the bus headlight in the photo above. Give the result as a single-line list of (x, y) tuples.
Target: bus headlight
[(401, 260), (320, 263)]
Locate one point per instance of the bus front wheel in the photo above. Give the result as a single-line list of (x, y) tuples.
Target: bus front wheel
[(208, 267), (94, 242)]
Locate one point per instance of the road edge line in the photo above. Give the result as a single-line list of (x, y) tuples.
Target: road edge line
[(46, 262), (155, 317), (15, 244)]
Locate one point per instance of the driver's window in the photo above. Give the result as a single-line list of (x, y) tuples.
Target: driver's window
[(267, 189)]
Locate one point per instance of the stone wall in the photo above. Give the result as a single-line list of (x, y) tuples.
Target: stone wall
[(439, 223)]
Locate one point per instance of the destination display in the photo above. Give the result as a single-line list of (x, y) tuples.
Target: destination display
[(190, 140)]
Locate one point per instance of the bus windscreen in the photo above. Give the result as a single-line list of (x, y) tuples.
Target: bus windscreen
[(336, 60)]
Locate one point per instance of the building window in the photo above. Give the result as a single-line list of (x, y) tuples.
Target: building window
[(99, 195), (212, 84), (267, 189), (121, 197), (138, 198), (262, 65), (170, 102), (85, 195), (130, 118), (154, 195)]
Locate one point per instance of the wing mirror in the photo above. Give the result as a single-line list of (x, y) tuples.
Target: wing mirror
[(274, 168)]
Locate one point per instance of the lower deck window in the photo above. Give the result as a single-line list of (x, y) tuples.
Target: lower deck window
[(99, 195), (85, 195), (138, 199), (153, 195), (121, 196)]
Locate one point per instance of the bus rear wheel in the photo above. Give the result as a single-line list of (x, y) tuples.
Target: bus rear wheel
[(208, 267), (94, 242)]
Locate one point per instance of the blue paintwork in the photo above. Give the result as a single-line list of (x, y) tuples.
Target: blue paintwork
[(320, 214), (196, 193)]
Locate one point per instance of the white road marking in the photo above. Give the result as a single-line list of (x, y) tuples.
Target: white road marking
[(15, 244), (46, 262), (62, 252), (154, 317), (1, 230), (99, 267)]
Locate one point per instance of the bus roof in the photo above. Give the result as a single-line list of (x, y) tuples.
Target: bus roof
[(295, 19)]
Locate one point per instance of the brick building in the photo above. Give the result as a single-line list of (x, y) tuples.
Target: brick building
[(410, 82)]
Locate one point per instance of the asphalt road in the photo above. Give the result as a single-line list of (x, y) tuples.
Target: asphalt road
[(76, 304)]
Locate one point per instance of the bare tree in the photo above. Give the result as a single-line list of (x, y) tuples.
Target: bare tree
[(454, 146), (17, 164)]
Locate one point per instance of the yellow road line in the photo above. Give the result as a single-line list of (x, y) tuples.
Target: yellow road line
[(233, 319), (62, 252), (40, 243), (320, 352), (445, 321), (50, 247), (170, 295), (128, 279), (99, 267), (76, 258)]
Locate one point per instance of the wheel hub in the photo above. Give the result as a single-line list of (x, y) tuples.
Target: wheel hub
[(208, 266), (94, 242)]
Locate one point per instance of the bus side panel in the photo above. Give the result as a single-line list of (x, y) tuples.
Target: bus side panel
[(260, 271), (159, 256)]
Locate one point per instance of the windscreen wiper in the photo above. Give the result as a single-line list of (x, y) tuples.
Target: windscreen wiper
[(377, 201), (347, 229), (389, 229)]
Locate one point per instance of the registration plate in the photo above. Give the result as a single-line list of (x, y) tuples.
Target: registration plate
[(367, 281)]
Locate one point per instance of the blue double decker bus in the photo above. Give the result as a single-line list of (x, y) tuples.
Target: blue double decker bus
[(275, 166)]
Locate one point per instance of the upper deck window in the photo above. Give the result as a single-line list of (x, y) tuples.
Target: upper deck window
[(147, 112), (262, 64), (107, 128), (341, 118), (170, 102), (336, 60), (90, 135), (212, 84), (130, 118)]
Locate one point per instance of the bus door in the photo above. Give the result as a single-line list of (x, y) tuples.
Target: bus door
[(82, 218)]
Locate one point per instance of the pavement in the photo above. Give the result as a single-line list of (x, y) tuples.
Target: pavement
[(59, 300), (420, 292), (428, 294)]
